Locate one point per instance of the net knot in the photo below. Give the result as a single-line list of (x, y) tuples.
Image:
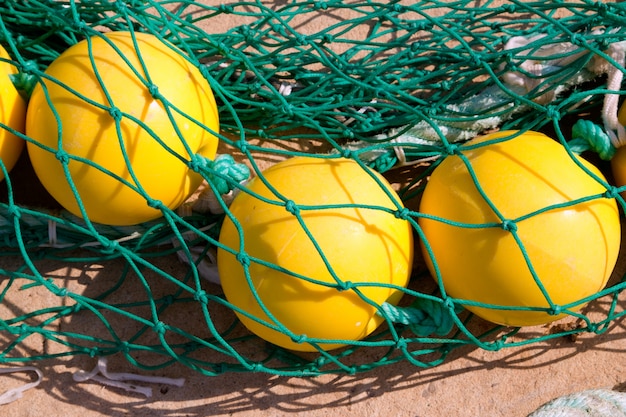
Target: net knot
[(321, 5), (347, 153), (115, 113), (327, 38), (577, 39), (243, 258), (451, 149), (348, 134), (198, 162), (225, 8), (256, 367), (287, 110), (401, 343), (432, 111), (29, 67), (301, 40), (555, 310), (446, 85), (261, 134), (14, 211), (124, 346), (155, 204), (612, 192), (509, 8), (344, 286), (121, 6), (292, 207), (58, 291), (553, 113), (448, 303), (509, 225), (153, 89), (299, 339), (402, 214), (159, 328), (110, 246), (242, 145), (476, 60), (498, 344), (80, 25), (201, 296), (62, 156)]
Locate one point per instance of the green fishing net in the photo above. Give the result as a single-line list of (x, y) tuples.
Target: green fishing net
[(395, 85)]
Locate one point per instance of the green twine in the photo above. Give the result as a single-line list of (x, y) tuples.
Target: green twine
[(225, 171), (586, 136), (424, 317)]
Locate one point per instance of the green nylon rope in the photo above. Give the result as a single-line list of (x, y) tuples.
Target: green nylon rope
[(418, 78)]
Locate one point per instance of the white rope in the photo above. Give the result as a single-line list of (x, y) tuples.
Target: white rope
[(16, 393), (117, 380), (589, 403), (610, 109)]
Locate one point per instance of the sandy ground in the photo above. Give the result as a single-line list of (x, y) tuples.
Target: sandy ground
[(472, 382)]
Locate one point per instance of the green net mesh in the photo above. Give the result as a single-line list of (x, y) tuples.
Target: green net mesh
[(391, 84)]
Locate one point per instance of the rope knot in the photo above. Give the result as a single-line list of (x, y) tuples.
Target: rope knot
[(555, 310), (402, 214), (299, 339), (401, 343), (348, 134), (224, 8), (578, 39), (451, 149), (509, 225), (198, 162), (110, 246), (153, 89), (327, 38), (115, 113), (14, 211), (243, 258), (160, 328), (292, 207), (155, 204), (124, 346), (612, 193), (553, 113), (62, 156), (28, 67), (201, 296), (509, 8), (59, 291), (242, 145)]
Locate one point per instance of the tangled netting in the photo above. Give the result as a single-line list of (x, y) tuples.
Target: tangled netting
[(391, 84)]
